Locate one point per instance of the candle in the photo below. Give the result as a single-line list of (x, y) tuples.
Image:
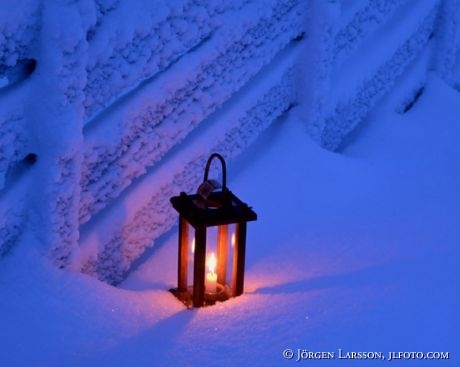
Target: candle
[(211, 276)]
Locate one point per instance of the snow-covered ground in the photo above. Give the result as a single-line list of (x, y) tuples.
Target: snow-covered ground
[(356, 251)]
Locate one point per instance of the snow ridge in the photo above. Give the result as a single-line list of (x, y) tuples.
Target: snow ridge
[(12, 143), (115, 87), (361, 61), (172, 107), (350, 113), (448, 40), (363, 23), (18, 29), (133, 43), (127, 99), (109, 254)]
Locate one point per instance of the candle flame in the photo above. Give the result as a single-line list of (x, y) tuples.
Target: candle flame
[(212, 263)]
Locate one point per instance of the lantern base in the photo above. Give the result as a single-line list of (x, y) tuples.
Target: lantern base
[(222, 294)]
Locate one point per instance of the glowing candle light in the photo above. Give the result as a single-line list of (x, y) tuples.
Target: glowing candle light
[(211, 275), (233, 239)]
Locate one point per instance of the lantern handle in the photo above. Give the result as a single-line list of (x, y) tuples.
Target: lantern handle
[(224, 169)]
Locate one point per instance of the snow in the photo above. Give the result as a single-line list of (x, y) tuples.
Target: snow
[(163, 110), (111, 95), (395, 33), (143, 211), (357, 51), (358, 19), (121, 103), (358, 83), (119, 86), (357, 251), (18, 25)]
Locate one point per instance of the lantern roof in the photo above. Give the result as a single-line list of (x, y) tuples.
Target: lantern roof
[(220, 207)]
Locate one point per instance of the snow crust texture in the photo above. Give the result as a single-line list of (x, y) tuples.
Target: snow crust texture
[(136, 133), (148, 219), (361, 55), (18, 30), (117, 86), (110, 107), (165, 112), (348, 113)]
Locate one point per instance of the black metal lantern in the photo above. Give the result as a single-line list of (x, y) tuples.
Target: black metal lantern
[(211, 262)]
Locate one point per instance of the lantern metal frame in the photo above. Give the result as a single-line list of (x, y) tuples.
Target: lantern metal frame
[(209, 208)]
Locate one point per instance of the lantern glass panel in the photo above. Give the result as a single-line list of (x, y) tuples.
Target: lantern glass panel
[(191, 254), (218, 277), (219, 256)]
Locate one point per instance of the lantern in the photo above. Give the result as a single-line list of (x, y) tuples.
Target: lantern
[(212, 242)]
